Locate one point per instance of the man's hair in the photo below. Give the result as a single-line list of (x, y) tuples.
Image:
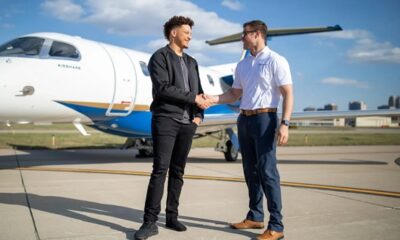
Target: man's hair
[(258, 25), (176, 21)]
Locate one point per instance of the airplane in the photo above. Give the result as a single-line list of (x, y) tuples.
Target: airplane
[(58, 78)]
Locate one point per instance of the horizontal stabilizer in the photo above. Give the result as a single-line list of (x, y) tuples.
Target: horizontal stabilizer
[(276, 32)]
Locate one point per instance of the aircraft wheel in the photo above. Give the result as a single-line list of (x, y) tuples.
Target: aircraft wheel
[(231, 154), (144, 153)]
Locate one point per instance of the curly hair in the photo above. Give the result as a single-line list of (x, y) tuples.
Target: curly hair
[(176, 21)]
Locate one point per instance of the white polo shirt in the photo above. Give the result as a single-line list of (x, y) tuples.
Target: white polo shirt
[(260, 78)]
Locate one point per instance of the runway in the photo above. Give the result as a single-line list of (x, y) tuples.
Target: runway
[(328, 193)]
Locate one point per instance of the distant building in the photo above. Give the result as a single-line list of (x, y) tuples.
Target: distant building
[(357, 105), (383, 107), (373, 122), (309, 109), (331, 107), (337, 122), (391, 103), (397, 102)]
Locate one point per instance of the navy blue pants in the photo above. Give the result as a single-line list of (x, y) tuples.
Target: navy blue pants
[(258, 148)]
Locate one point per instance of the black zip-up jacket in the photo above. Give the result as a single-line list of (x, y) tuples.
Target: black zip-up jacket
[(169, 95)]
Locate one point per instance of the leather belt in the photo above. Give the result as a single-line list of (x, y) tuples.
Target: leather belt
[(257, 111)]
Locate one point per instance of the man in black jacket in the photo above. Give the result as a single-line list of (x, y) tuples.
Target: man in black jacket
[(175, 117)]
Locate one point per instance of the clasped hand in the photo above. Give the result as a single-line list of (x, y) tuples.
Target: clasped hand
[(204, 101)]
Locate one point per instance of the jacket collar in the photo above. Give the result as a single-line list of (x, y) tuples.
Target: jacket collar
[(184, 55)]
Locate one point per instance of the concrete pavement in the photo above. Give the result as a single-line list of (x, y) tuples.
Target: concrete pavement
[(105, 200)]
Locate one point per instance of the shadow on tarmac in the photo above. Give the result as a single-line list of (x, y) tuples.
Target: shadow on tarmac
[(75, 208), (35, 158)]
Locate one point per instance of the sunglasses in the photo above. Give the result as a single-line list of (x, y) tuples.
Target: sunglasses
[(244, 33)]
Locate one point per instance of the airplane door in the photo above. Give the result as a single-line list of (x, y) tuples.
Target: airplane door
[(124, 95)]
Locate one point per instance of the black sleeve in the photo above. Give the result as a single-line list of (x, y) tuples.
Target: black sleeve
[(162, 84), (199, 112)]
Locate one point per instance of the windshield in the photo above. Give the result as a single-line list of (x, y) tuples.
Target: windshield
[(28, 46)]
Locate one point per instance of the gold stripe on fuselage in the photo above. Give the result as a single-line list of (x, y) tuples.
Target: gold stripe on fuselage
[(116, 106)]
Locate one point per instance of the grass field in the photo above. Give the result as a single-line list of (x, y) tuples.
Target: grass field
[(66, 136)]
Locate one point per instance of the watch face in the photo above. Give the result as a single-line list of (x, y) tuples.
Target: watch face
[(285, 122)]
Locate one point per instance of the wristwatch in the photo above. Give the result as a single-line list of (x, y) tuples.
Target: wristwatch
[(285, 122)]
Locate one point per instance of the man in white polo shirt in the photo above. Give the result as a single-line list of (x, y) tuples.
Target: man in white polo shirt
[(261, 79)]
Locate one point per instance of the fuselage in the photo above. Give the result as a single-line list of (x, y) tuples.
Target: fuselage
[(51, 77)]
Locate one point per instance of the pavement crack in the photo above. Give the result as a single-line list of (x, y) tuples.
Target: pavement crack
[(357, 200), (26, 195)]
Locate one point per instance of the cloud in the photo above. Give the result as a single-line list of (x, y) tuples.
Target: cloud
[(366, 48), (8, 15), (6, 25), (200, 50), (347, 34), (146, 18), (65, 10), (232, 4), (369, 51), (344, 82), (140, 17)]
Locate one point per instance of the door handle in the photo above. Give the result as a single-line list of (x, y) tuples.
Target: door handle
[(27, 90)]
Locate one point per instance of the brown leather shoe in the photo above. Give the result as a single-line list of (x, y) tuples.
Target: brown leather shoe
[(270, 235), (247, 224)]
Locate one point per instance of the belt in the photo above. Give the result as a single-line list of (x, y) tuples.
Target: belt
[(257, 111)]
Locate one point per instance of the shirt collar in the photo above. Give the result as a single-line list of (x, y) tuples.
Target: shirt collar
[(265, 50)]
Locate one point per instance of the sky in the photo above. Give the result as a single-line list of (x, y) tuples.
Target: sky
[(361, 63)]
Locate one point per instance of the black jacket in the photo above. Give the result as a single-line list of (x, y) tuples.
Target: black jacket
[(169, 95)]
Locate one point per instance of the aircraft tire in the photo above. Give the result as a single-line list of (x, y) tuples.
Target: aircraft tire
[(144, 153), (231, 154)]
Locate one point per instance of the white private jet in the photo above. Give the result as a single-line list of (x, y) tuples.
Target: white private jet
[(55, 78)]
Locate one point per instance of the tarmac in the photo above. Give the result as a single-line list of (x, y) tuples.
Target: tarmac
[(350, 193)]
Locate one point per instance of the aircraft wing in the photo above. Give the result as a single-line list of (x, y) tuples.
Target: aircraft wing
[(214, 120), (275, 33)]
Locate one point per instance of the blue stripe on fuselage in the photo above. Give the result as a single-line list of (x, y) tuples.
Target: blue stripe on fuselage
[(136, 124)]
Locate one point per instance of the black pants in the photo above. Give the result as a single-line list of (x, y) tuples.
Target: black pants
[(171, 143)]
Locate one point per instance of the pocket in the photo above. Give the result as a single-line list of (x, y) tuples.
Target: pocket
[(264, 76)]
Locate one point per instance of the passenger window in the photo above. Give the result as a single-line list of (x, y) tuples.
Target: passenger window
[(210, 80), (29, 46), (60, 49), (144, 68)]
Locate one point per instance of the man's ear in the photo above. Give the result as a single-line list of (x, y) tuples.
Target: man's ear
[(173, 32)]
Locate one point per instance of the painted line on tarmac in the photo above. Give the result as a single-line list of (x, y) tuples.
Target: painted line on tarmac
[(226, 179)]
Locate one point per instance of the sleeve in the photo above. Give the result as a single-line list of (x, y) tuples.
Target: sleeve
[(236, 80), (199, 111), (282, 75), (161, 83)]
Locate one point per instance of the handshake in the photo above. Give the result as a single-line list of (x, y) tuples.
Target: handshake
[(205, 101)]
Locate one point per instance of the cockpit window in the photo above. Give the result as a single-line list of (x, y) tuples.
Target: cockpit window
[(28, 46), (143, 66), (60, 49)]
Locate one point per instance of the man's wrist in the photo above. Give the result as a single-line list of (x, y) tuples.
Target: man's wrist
[(285, 122)]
